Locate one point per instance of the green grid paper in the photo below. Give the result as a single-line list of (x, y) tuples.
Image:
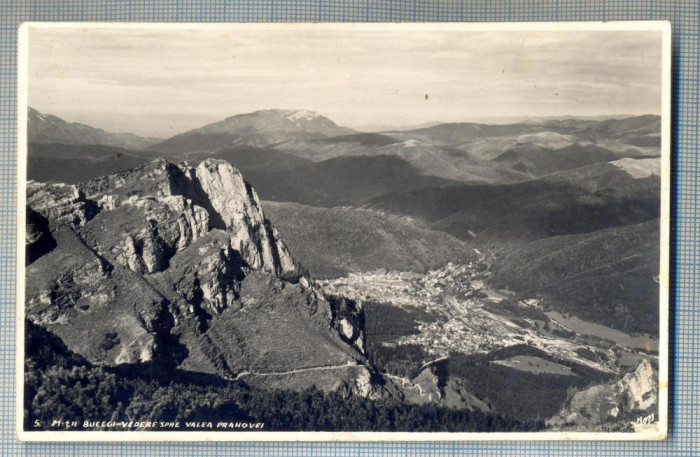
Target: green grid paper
[(685, 390)]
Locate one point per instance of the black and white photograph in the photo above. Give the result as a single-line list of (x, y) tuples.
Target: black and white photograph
[(308, 232)]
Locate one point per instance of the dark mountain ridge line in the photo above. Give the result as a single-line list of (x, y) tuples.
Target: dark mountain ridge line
[(303, 120), (339, 240), (605, 276), (47, 128), (342, 181), (274, 174), (441, 202), (259, 128), (472, 130)]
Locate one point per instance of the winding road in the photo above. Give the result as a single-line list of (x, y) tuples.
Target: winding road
[(244, 374)]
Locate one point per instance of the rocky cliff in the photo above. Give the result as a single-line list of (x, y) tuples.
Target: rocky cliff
[(237, 207), (180, 204), (612, 405), (178, 265)]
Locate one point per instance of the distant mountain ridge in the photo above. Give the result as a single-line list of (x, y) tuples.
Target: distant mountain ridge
[(455, 132), (258, 129), (587, 198), (610, 287), (47, 128), (466, 152), (587, 238)]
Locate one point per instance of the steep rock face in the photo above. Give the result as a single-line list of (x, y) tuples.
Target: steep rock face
[(60, 204), (237, 207), (38, 238), (276, 334), (142, 234), (179, 220), (181, 203), (156, 179), (612, 404), (206, 276), (349, 320), (125, 237), (640, 387), (178, 265)]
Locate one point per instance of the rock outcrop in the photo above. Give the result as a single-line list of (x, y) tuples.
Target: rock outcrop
[(38, 238), (207, 275), (179, 266), (107, 314), (614, 404), (179, 205), (349, 320), (60, 204), (639, 387), (237, 206)]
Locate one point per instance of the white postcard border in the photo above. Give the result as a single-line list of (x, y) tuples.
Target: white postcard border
[(652, 433)]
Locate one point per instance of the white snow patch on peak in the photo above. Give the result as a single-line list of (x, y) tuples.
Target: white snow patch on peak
[(412, 143), (301, 115), (640, 168)]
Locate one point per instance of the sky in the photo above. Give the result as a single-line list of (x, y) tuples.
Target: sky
[(162, 82)]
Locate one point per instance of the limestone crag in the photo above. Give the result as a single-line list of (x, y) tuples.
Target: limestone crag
[(157, 179), (150, 231), (348, 319), (142, 218), (179, 266), (363, 383), (60, 204), (238, 208), (69, 288), (105, 313), (182, 203), (38, 238), (207, 275), (605, 404), (177, 219), (639, 387)]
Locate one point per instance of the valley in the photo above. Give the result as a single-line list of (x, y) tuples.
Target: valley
[(501, 274), (467, 318), (454, 325)]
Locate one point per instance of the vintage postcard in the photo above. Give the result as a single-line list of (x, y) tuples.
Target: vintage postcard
[(343, 231)]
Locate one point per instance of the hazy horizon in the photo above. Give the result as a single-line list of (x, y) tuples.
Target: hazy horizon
[(370, 128), (159, 82)]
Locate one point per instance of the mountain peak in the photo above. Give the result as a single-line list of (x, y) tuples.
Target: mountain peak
[(160, 216), (300, 115), (259, 129), (288, 114), (47, 129), (236, 205)]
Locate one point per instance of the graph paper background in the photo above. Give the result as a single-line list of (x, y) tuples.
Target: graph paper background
[(685, 325)]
